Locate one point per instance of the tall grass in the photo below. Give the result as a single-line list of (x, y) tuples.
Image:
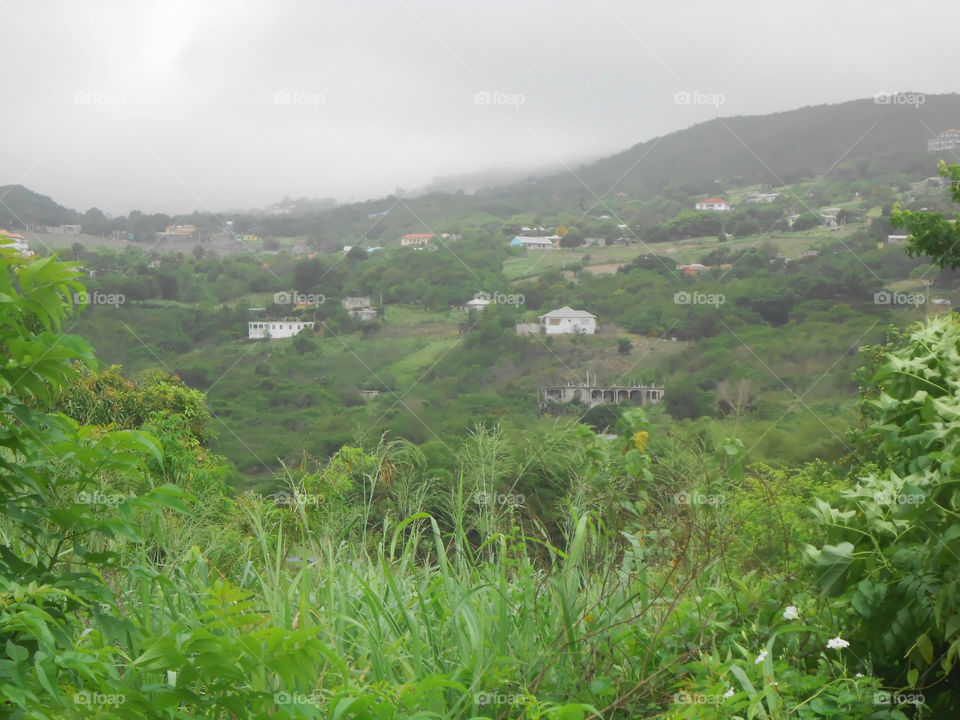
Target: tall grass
[(418, 618)]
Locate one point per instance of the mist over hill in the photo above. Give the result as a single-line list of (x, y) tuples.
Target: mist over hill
[(848, 141), (856, 139)]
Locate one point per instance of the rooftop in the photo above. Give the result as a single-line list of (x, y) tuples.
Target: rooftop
[(567, 311)]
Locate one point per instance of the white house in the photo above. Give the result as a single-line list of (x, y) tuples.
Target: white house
[(567, 321), (478, 303), (274, 329), (359, 307), (356, 303), (19, 243), (65, 229), (536, 243), (762, 197), (416, 239), (947, 140), (715, 204)]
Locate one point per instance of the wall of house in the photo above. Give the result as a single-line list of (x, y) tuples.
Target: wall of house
[(569, 326), (275, 330)]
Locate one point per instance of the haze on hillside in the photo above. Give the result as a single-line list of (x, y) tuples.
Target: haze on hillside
[(183, 106)]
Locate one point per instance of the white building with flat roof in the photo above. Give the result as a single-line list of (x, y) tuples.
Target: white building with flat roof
[(274, 329), (947, 140)]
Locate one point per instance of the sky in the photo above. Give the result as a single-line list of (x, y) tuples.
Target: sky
[(175, 106)]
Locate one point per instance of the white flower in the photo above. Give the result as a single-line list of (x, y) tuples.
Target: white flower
[(760, 658), (837, 643), (728, 693), (791, 613), (859, 675)]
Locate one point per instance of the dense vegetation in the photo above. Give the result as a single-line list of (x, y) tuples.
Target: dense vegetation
[(552, 574), (204, 526), (782, 331)]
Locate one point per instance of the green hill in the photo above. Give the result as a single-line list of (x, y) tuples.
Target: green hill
[(856, 139), (20, 206)]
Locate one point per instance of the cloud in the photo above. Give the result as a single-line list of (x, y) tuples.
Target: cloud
[(185, 101)]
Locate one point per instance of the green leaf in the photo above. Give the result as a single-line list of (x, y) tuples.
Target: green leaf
[(832, 563), (926, 648), (16, 653)]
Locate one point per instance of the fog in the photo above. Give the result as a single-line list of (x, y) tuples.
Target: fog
[(176, 106)]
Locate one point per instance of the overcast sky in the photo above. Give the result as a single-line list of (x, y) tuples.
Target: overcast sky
[(173, 106)]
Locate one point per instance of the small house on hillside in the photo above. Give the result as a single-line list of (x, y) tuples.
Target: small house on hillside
[(19, 243), (947, 140), (359, 307), (535, 243), (416, 239), (762, 197), (567, 321), (479, 302), (714, 204), (65, 229), (274, 329)]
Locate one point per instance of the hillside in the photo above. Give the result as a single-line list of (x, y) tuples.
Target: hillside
[(20, 207), (389, 512), (855, 139), (848, 142)]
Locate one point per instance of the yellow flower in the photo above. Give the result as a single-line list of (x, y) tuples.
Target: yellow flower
[(640, 440)]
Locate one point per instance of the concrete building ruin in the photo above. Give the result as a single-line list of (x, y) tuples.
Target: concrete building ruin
[(593, 394)]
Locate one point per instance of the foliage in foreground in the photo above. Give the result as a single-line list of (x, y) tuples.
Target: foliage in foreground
[(642, 606)]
